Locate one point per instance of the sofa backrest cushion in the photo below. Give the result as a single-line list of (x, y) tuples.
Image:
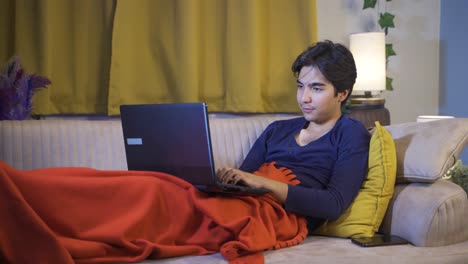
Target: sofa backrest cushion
[(232, 137), (31, 144), (364, 216), (99, 144), (425, 151)]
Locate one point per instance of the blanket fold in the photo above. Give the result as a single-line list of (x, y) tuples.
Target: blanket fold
[(83, 215)]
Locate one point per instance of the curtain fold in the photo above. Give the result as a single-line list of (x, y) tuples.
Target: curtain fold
[(69, 42), (235, 55)]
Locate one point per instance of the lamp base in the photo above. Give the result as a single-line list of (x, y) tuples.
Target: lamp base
[(364, 102)]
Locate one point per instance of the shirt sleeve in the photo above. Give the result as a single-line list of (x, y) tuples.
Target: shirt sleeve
[(346, 179)]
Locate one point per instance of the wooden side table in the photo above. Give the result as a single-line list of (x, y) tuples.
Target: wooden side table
[(369, 116)]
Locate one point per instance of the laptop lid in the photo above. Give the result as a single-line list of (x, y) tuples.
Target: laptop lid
[(170, 138)]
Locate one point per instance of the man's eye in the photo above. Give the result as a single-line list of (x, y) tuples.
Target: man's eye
[(316, 89), (300, 86)]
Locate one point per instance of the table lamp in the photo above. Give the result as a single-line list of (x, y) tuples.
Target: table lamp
[(368, 50)]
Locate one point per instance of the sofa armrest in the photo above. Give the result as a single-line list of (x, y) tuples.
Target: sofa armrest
[(428, 214)]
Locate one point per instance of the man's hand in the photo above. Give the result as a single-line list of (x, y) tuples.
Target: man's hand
[(234, 176)]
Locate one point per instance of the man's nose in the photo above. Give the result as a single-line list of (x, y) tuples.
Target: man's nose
[(306, 96)]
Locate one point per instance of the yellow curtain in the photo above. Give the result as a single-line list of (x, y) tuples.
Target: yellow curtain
[(67, 41), (233, 54)]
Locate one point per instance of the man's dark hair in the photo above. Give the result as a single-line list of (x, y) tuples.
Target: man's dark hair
[(334, 61)]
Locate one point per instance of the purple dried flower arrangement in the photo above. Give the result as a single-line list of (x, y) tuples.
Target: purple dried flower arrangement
[(17, 89)]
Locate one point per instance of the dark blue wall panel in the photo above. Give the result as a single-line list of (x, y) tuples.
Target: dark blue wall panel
[(453, 97)]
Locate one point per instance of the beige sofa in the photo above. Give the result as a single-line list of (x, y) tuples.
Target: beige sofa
[(428, 211)]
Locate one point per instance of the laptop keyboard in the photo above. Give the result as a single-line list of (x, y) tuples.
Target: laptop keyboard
[(232, 187), (227, 187)]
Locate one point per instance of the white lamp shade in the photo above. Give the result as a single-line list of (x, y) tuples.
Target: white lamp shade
[(368, 50)]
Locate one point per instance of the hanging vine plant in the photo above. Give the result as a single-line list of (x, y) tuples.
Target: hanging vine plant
[(385, 22)]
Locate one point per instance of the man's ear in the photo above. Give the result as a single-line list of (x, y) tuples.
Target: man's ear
[(343, 95)]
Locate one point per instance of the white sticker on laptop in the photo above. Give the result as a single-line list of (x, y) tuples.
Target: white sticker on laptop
[(134, 141)]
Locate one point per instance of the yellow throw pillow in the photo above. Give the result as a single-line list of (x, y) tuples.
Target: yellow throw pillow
[(364, 216)]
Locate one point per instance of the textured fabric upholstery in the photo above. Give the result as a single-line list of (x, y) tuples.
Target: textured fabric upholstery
[(60, 143), (425, 214), (233, 137), (425, 151), (428, 214)]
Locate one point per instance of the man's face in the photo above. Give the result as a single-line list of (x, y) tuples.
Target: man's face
[(316, 96)]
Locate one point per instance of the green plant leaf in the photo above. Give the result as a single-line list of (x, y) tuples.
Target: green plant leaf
[(388, 84), (389, 51), (459, 174), (386, 21), (369, 4)]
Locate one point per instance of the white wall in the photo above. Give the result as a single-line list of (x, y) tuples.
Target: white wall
[(415, 38)]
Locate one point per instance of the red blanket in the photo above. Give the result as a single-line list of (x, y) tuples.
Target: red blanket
[(82, 215)]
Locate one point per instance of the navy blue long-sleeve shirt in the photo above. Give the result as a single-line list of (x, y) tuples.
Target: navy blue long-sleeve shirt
[(331, 169)]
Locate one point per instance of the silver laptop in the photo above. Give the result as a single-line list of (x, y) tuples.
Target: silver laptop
[(175, 139)]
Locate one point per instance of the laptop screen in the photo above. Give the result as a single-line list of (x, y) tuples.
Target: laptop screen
[(170, 138)]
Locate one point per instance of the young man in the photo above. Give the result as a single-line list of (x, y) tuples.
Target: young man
[(70, 215), (326, 150)]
